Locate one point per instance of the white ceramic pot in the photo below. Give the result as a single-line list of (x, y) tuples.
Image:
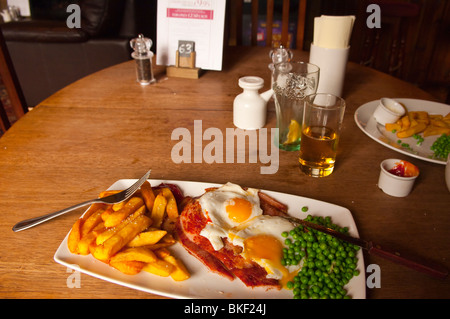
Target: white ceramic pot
[(388, 111), (394, 185)]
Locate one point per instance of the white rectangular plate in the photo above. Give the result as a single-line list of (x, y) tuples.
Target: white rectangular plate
[(202, 283)]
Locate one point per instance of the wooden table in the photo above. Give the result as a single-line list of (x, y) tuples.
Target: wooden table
[(106, 127)]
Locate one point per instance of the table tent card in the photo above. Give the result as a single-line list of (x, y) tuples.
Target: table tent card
[(198, 22)]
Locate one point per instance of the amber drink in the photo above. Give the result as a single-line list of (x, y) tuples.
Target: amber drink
[(322, 121)]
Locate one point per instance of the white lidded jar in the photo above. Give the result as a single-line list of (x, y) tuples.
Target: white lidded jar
[(250, 107)]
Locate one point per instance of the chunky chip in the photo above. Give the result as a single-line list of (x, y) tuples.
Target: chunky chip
[(130, 267), (159, 208), (136, 254), (115, 217), (180, 271), (115, 243), (147, 238), (160, 268), (418, 122), (120, 234)]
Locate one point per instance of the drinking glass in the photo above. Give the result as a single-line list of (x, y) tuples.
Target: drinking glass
[(292, 81), (322, 120)]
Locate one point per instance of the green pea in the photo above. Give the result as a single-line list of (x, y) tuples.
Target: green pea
[(328, 263)]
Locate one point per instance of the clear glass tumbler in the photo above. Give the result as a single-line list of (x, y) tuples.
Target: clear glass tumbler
[(292, 81), (322, 121)]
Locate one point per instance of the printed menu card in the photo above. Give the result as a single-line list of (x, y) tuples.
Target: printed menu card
[(199, 23)]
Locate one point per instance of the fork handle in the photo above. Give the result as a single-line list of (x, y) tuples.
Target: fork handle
[(28, 223)]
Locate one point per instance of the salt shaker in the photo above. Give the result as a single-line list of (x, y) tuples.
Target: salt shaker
[(143, 57), (250, 107)]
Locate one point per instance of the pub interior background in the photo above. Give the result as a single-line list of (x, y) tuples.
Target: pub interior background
[(422, 46)]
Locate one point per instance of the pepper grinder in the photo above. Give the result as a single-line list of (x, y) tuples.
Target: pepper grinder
[(143, 57)]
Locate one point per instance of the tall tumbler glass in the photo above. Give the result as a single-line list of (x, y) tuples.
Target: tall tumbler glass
[(292, 81), (322, 121)]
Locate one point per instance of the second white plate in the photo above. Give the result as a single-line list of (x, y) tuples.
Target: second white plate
[(367, 123)]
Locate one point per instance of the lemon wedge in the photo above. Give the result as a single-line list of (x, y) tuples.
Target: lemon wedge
[(294, 132)]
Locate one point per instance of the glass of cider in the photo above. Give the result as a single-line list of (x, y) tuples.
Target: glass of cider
[(323, 115)]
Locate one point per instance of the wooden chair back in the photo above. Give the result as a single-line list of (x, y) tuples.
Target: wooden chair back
[(386, 48), (235, 21), (5, 123), (12, 86)]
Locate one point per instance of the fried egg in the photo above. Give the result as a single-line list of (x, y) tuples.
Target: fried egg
[(235, 214), (226, 207), (262, 243)]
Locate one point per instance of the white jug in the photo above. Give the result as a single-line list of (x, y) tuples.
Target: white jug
[(250, 107)]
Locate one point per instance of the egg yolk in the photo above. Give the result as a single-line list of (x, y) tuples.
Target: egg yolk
[(239, 209), (269, 248), (263, 247)]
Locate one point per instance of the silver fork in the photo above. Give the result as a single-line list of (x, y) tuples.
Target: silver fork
[(111, 199)]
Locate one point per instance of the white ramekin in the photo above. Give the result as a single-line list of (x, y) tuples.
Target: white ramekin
[(388, 111), (392, 184)]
